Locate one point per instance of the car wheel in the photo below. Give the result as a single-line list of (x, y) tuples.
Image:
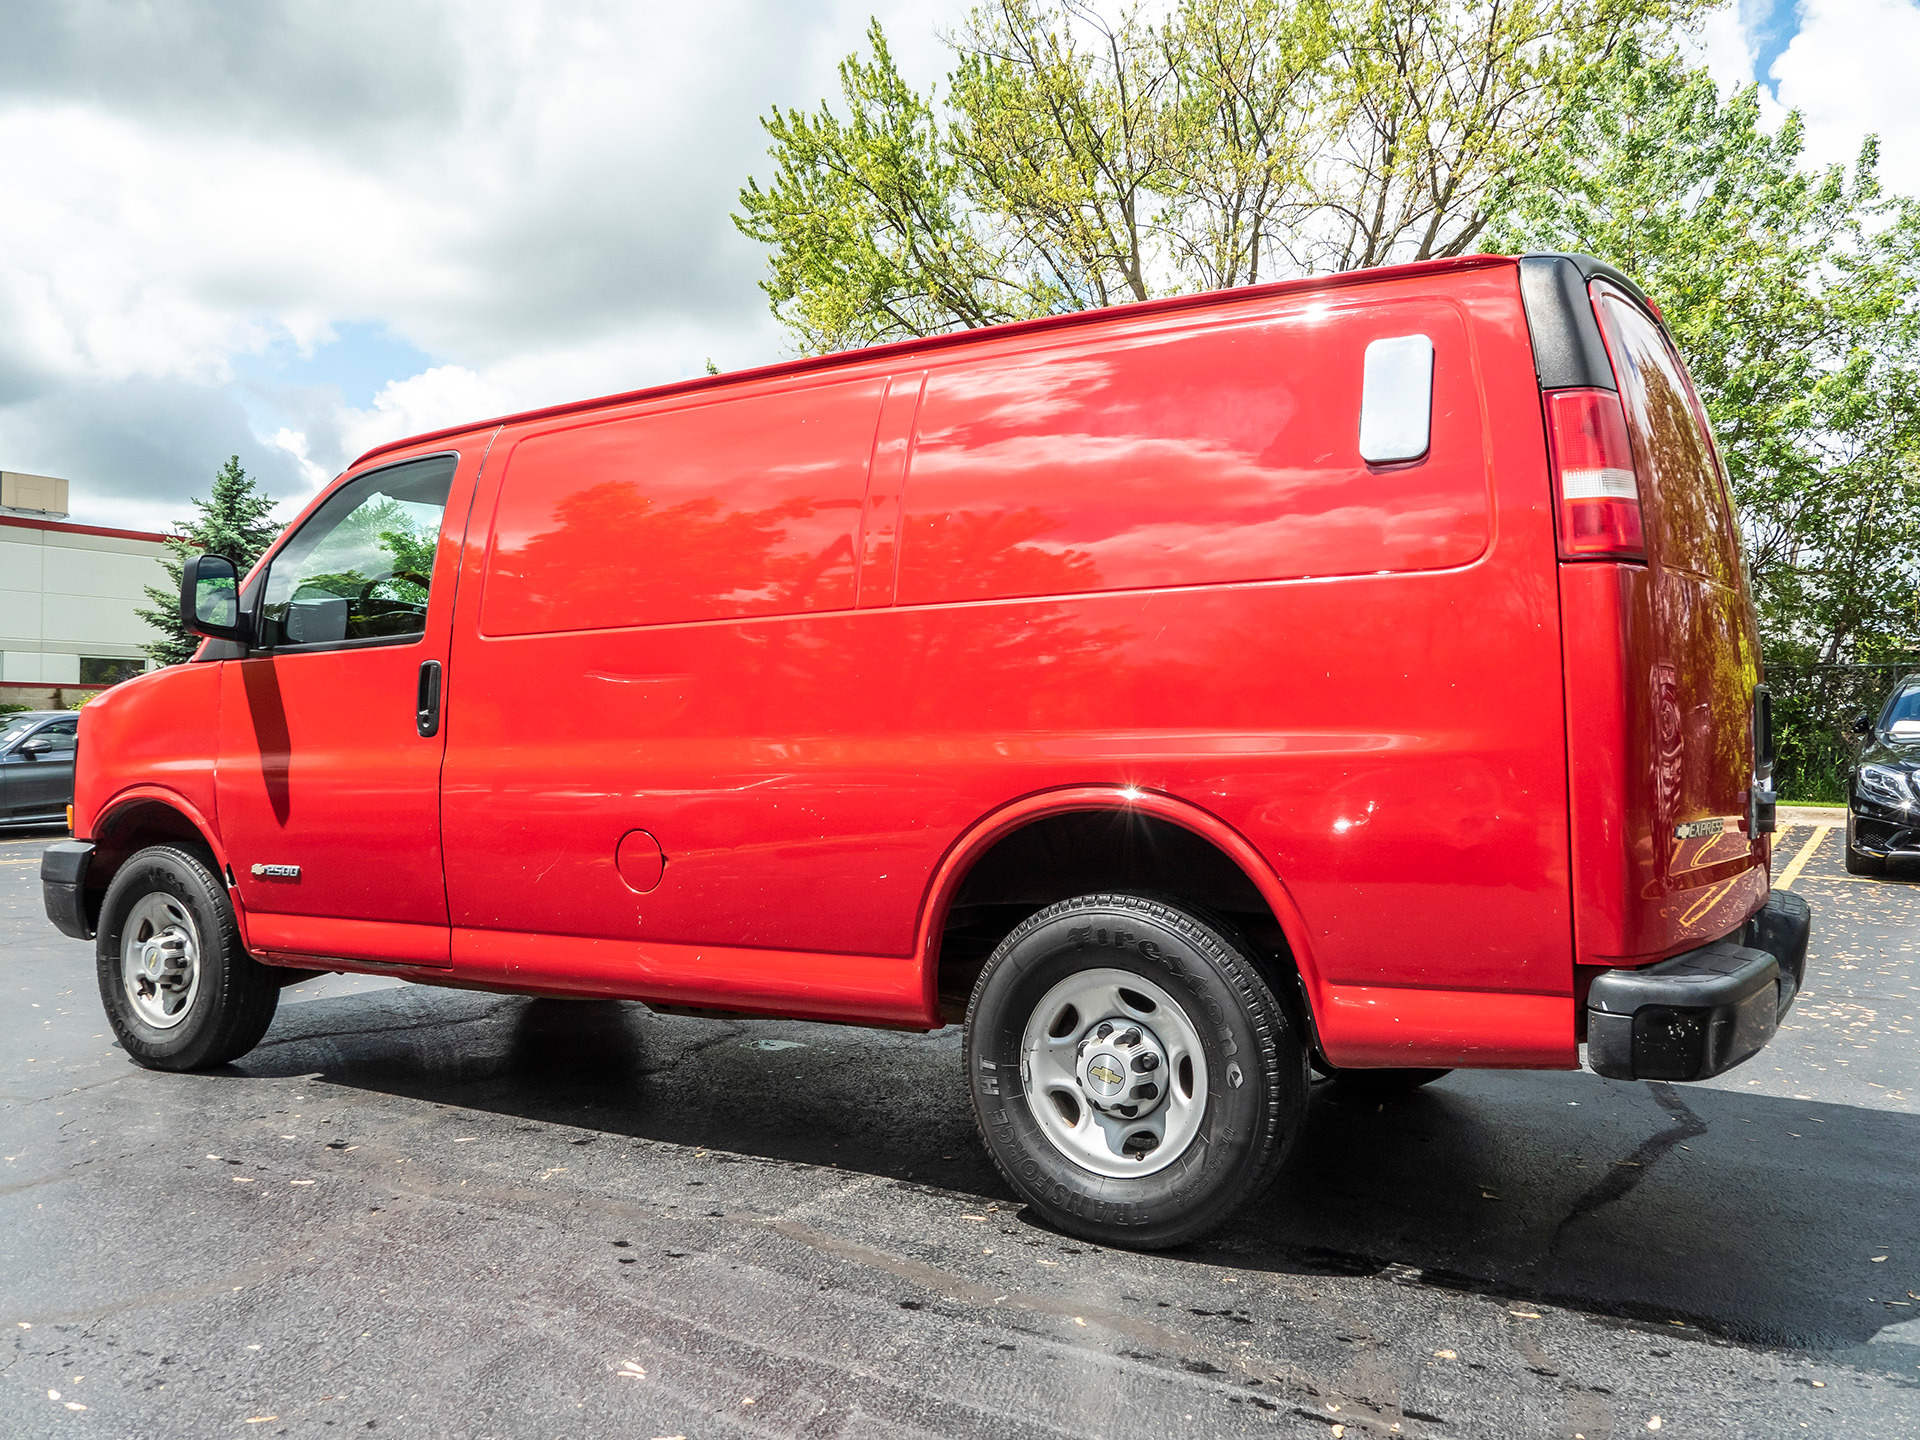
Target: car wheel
[(1379, 1085), (1133, 1076), (180, 990), (1858, 861)]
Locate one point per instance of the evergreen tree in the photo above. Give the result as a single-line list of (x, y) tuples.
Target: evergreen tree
[(234, 521)]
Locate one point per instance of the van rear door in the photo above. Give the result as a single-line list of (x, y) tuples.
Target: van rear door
[(1706, 649)]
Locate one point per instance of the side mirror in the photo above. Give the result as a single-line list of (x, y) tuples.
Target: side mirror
[(210, 599), (1862, 724), (38, 745)]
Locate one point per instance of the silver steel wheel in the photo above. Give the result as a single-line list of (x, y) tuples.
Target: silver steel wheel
[(160, 959), (1114, 1073)]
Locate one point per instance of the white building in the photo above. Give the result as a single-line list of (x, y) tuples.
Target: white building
[(67, 597)]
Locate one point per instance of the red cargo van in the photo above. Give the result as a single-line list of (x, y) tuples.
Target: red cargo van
[(1354, 674)]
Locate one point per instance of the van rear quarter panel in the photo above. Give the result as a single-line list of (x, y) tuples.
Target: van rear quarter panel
[(1662, 662), (1392, 744)]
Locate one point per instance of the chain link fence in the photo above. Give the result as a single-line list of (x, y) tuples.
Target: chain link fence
[(1813, 712)]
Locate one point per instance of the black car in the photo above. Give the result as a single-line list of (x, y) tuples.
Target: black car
[(36, 766), (1883, 793)]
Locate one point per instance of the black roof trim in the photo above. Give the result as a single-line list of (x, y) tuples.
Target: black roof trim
[(1567, 349)]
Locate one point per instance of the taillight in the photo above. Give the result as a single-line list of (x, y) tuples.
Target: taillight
[(1596, 491)]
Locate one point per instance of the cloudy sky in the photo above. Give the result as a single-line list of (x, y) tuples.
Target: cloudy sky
[(296, 230)]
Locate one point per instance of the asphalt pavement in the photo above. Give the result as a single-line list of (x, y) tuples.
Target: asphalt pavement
[(444, 1213)]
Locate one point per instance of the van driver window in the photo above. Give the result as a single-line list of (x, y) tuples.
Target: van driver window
[(362, 565)]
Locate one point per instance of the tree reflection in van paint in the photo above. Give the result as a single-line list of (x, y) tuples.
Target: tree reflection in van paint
[(651, 563), (1188, 458), (1706, 667), (702, 511)]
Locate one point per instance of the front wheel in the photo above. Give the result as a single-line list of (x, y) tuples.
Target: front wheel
[(1133, 1076), (1858, 862), (180, 990)]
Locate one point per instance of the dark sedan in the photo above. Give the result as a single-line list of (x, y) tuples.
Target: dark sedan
[(36, 766), (1883, 793)]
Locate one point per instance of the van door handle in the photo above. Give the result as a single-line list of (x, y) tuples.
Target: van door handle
[(426, 716)]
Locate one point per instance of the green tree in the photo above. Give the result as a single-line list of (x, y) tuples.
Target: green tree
[(235, 520), (1076, 160), (1794, 295)]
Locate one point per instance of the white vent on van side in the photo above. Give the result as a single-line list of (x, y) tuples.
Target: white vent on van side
[(1396, 400)]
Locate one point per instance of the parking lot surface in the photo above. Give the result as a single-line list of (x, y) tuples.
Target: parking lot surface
[(435, 1212)]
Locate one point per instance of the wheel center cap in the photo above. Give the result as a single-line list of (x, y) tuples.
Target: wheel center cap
[(1106, 1074), (1122, 1068)]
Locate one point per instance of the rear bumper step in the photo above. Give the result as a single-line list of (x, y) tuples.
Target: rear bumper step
[(1701, 1013)]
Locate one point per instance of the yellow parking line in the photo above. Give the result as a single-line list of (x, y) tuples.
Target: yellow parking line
[(1806, 853), (1862, 880)]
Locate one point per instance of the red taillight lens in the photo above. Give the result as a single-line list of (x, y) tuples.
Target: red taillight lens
[(1596, 490)]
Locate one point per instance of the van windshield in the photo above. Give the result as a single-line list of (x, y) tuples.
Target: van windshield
[(1688, 524)]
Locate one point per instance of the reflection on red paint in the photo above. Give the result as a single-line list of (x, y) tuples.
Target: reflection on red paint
[(746, 507), (1186, 458)]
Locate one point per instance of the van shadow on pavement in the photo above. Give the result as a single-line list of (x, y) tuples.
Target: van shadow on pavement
[(1754, 1218)]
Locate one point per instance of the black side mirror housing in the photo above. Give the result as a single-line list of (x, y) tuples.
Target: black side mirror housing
[(38, 745), (210, 599), (1862, 724)]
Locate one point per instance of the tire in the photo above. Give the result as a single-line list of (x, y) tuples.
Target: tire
[(1379, 1085), (1858, 862), (1861, 863), (1232, 1091), (179, 988)]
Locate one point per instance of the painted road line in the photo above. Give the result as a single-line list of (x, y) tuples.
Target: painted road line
[(1861, 880), (1806, 853)]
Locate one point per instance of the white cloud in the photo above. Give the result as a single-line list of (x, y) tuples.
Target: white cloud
[(533, 196), (1851, 72), (536, 196)]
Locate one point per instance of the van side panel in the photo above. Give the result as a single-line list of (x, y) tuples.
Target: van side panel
[(740, 506), (1189, 457), (1391, 744)]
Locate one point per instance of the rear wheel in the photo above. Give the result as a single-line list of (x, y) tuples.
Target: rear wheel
[(179, 989), (1133, 1076)]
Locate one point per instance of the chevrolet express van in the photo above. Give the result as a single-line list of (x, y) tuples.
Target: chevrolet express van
[(1355, 675)]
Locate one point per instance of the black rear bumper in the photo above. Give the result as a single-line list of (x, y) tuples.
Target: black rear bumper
[(63, 886), (1703, 1012)]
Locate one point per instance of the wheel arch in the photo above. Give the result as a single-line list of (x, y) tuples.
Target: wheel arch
[(135, 819), (1144, 839)]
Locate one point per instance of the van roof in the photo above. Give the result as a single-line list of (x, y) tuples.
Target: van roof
[(1171, 303)]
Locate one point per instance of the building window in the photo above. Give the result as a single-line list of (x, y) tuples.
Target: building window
[(108, 670)]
